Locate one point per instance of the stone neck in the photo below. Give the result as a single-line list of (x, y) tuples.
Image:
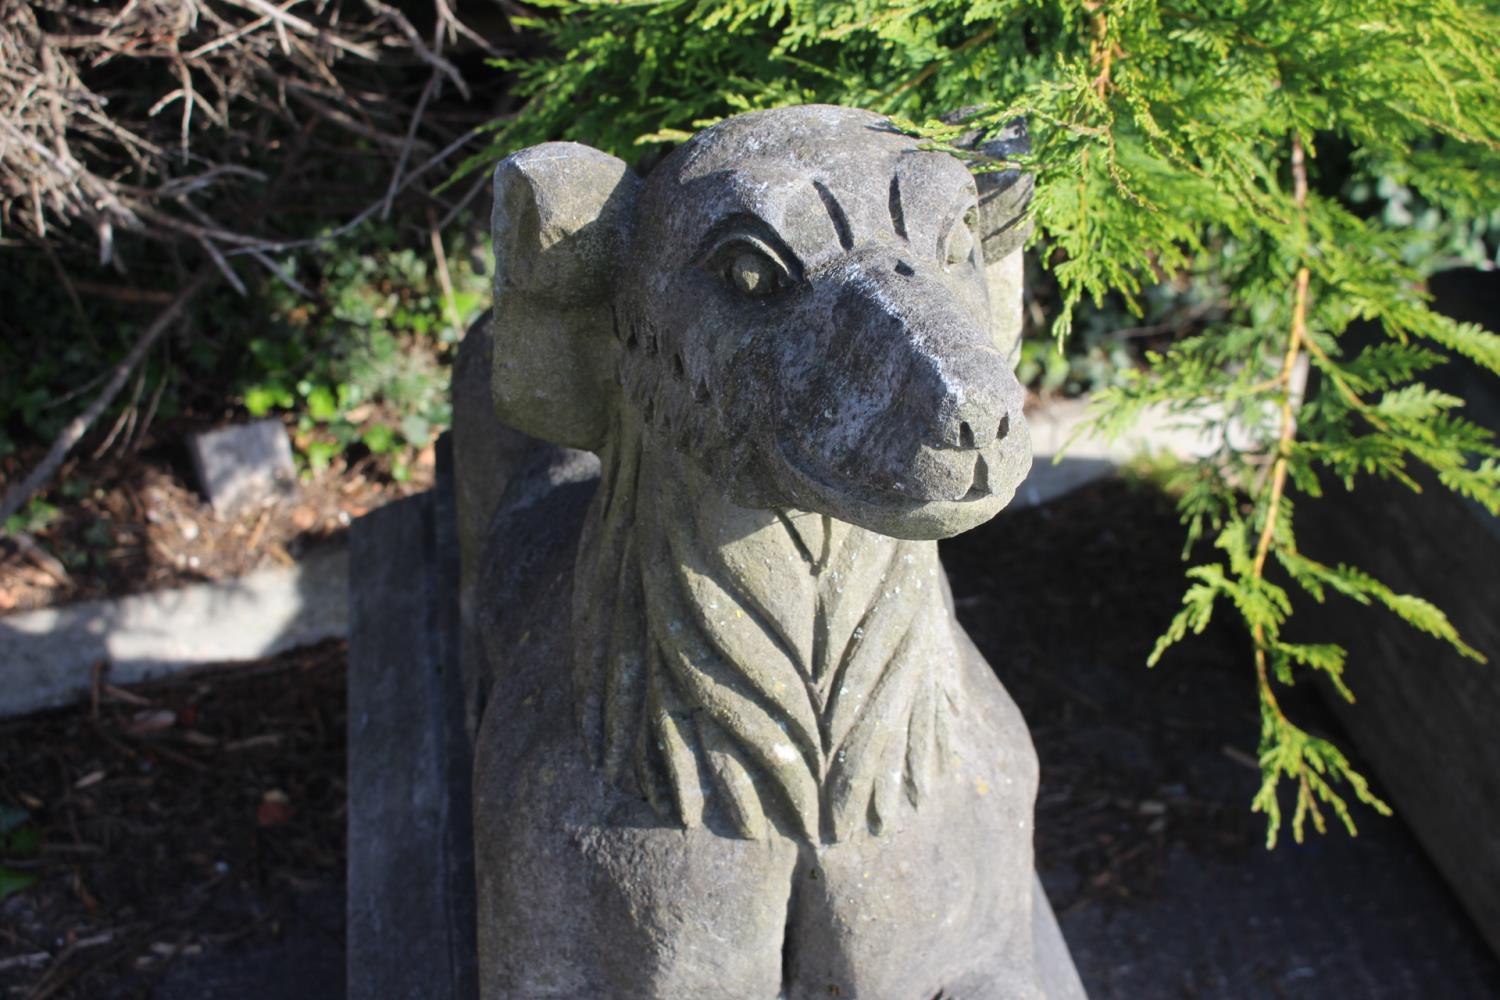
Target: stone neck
[(760, 669)]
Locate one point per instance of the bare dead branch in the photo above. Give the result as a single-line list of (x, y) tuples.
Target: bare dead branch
[(285, 20), (68, 155), (434, 84), (432, 56), (17, 496)]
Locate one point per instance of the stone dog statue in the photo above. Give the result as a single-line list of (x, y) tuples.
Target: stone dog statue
[(735, 744)]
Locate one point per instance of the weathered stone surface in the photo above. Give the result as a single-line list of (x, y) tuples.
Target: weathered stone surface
[(410, 867), (241, 465), (736, 744), (1003, 227), (1426, 717), (492, 452), (47, 656), (1004, 278)]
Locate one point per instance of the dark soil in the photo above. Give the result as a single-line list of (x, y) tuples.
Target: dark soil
[(1066, 602), (204, 813), (1145, 840)]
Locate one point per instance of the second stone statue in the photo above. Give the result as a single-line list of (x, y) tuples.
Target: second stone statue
[(733, 742)]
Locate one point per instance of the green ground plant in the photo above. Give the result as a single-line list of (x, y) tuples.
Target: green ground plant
[(1308, 159), (366, 364), (18, 840), (356, 358)]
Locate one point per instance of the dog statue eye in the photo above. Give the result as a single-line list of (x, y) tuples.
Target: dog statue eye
[(960, 241), (753, 274)]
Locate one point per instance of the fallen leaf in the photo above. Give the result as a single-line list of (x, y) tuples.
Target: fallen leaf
[(12, 882), (92, 778), (150, 721), (275, 809)]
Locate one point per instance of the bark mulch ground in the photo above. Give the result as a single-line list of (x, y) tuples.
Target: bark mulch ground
[(199, 813), (134, 523), (1145, 840)]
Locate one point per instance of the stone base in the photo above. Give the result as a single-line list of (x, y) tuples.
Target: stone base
[(47, 656), (411, 856)]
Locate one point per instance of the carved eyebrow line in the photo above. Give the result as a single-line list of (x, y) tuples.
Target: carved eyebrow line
[(898, 214), (747, 224), (836, 213)]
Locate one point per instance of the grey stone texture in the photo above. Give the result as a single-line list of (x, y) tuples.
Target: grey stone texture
[(47, 656), (241, 465), (1425, 717), (733, 742), (1004, 227), (410, 930)]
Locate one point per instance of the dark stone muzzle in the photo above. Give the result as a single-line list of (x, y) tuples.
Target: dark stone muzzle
[(921, 379)]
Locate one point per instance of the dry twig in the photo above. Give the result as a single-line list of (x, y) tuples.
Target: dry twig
[(71, 152), (68, 157), (17, 495)]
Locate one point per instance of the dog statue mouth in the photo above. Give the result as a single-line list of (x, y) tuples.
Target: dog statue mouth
[(997, 470)]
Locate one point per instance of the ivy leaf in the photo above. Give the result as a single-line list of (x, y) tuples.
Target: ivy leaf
[(12, 882)]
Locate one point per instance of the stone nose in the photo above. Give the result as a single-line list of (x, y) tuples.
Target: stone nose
[(972, 397), (952, 389), (976, 420)]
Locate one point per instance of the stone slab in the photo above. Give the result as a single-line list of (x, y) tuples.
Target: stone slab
[(410, 866), (241, 465), (1063, 462), (47, 656), (1426, 717)]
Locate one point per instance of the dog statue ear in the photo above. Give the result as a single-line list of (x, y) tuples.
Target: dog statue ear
[(1004, 226), (561, 225), (1003, 223), (1004, 194)]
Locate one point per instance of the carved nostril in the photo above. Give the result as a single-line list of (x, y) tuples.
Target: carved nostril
[(979, 432), (904, 269)]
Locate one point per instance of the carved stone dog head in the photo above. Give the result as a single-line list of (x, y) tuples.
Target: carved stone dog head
[(794, 300)]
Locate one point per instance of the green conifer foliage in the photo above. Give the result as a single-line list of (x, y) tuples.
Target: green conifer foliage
[(1170, 137)]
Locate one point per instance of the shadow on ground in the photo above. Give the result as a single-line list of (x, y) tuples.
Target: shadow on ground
[(184, 838), (1145, 841)]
